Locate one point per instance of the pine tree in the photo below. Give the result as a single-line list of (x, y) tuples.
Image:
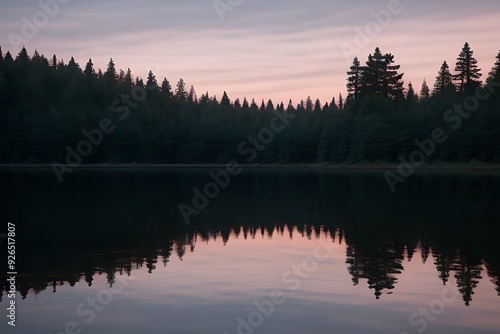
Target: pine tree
[(317, 106), (411, 97), (166, 90), (8, 57), (468, 73), (89, 71), (53, 63), (61, 64), (494, 75), (36, 57), (22, 57), (121, 77), (180, 90), (444, 83), (281, 106), (309, 104), (192, 95), (237, 104), (225, 102), (290, 107), (380, 77), (270, 106), (245, 105), (253, 105), (373, 74), (341, 102), (392, 81), (262, 106), (424, 91), (110, 75), (354, 80), (204, 99), (333, 104), (139, 82), (73, 66), (128, 81), (151, 83)]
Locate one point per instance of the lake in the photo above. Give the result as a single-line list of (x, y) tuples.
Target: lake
[(275, 251)]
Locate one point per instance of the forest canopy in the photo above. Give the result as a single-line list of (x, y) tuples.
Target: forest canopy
[(47, 107)]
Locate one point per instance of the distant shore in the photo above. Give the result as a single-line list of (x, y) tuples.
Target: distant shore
[(366, 166)]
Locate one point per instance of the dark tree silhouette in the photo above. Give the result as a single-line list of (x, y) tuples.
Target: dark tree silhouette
[(444, 83), (494, 75), (425, 92), (110, 75), (45, 105), (180, 90), (467, 273), (411, 96), (89, 69), (468, 73), (381, 77), (354, 80)]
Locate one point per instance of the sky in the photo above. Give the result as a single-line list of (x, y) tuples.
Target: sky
[(260, 49)]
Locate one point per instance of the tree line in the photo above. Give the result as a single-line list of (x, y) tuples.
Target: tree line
[(45, 104)]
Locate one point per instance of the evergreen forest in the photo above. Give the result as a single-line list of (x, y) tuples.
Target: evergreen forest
[(48, 108)]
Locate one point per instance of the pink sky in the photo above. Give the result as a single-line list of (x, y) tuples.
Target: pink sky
[(261, 50)]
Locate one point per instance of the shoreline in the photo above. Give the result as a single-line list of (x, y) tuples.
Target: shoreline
[(380, 166)]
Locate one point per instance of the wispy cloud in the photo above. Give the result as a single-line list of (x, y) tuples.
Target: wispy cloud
[(262, 49)]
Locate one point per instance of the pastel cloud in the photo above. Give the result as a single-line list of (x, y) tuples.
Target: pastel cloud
[(277, 49)]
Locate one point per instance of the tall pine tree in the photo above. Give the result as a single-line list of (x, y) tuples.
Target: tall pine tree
[(494, 75), (110, 75), (444, 83), (425, 92), (151, 83), (411, 96), (468, 74), (354, 80), (180, 91), (89, 69), (381, 77)]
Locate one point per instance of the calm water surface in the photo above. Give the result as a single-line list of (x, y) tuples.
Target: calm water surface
[(278, 251)]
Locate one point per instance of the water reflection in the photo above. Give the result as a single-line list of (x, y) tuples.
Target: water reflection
[(111, 223)]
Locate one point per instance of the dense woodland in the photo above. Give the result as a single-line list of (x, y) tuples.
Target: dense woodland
[(45, 104)]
